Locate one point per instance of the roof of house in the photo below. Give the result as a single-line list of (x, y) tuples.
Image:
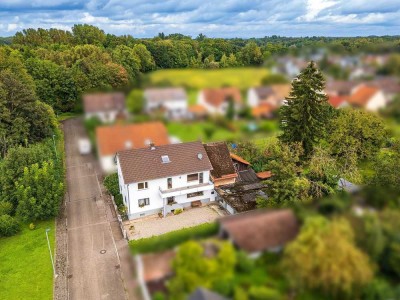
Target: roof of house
[(264, 109), (216, 97), (248, 175), (143, 164), (264, 92), (282, 90), (157, 266), (362, 95), (261, 229), (204, 294), (239, 159), (111, 139), (197, 109), (220, 159), (336, 101), (103, 102), (264, 175), (389, 85), (340, 87), (164, 94)]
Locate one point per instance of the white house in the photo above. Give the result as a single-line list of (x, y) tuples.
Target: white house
[(173, 101), (105, 106), (216, 101), (367, 97), (161, 179), (111, 139)]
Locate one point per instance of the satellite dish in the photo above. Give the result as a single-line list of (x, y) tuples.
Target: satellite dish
[(200, 156)]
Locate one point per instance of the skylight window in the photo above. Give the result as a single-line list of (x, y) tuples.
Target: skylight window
[(165, 159)]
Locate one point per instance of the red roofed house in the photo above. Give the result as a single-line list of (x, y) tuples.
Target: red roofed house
[(338, 101), (368, 97), (106, 106), (216, 101), (111, 139)]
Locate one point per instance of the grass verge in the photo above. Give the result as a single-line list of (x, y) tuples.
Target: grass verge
[(25, 268)]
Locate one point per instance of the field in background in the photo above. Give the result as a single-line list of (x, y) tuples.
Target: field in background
[(242, 78), (25, 267)]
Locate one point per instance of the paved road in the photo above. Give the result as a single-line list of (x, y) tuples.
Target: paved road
[(94, 241)]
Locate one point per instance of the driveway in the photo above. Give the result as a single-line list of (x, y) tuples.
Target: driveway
[(154, 225), (98, 259)]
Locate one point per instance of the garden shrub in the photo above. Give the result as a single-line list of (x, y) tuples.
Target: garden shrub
[(178, 211), (244, 263), (8, 225), (173, 238), (5, 208), (263, 293), (378, 289), (240, 294), (223, 286), (111, 184)]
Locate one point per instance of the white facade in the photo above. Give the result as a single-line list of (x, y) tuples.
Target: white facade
[(211, 109), (156, 195), (107, 163), (252, 98), (376, 102), (105, 116), (174, 108)]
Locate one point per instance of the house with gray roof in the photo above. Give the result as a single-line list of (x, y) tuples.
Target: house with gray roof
[(172, 102), (162, 179)]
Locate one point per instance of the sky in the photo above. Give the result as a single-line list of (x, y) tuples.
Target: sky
[(214, 18)]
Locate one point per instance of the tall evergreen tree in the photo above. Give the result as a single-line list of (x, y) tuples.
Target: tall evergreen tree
[(306, 114)]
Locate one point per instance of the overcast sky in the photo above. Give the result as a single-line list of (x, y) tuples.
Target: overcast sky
[(215, 18)]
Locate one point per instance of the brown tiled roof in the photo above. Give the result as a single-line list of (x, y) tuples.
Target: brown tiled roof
[(197, 109), (100, 102), (238, 158), (261, 230), (264, 92), (340, 87), (216, 97), (145, 164), (336, 101), (262, 110), (164, 94), (220, 159), (264, 174), (111, 139), (362, 95)]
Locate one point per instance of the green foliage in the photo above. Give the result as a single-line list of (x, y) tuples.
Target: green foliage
[(88, 34), (251, 55), (390, 259), (274, 79), (230, 111), (8, 226), (173, 238), (32, 226), (158, 296), (355, 135), (324, 257), (333, 205), (39, 192), (111, 184), (307, 112), (127, 58), (178, 211), (5, 208), (378, 289), (263, 293), (244, 263), (135, 101), (192, 268)]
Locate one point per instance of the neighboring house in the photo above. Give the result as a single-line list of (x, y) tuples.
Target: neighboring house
[(338, 101), (390, 86), (161, 179), (223, 172), (197, 111), (111, 139), (339, 87), (106, 106), (274, 95), (244, 169), (263, 111), (171, 101), (367, 97), (260, 230), (216, 101)]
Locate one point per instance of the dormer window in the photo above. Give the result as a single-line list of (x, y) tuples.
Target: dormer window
[(165, 159)]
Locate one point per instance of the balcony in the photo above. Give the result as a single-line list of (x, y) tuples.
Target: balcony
[(186, 189)]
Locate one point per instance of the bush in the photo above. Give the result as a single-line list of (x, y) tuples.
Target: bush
[(223, 286), (244, 263), (178, 211), (173, 238), (240, 294), (111, 184), (378, 289), (263, 293), (159, 296), (332, 205), (8, 225), (32, 226), (5, 208)]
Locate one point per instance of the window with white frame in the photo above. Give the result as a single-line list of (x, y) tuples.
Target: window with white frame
[(143, 202), (142, 185)]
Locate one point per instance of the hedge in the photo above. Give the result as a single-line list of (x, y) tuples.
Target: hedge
[(173, 238)]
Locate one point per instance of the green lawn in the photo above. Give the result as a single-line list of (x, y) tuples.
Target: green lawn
[(242, 78), (25, 267), (192, 131)]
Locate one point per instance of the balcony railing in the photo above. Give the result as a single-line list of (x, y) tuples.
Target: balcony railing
[(186, 189)]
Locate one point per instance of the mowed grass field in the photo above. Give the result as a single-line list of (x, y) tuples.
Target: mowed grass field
[(25, 267), (243, 78)]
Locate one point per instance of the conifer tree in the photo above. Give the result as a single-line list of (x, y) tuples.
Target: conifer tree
[(306, 113)]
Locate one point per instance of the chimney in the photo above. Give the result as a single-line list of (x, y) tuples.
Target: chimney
[(152, 146)]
